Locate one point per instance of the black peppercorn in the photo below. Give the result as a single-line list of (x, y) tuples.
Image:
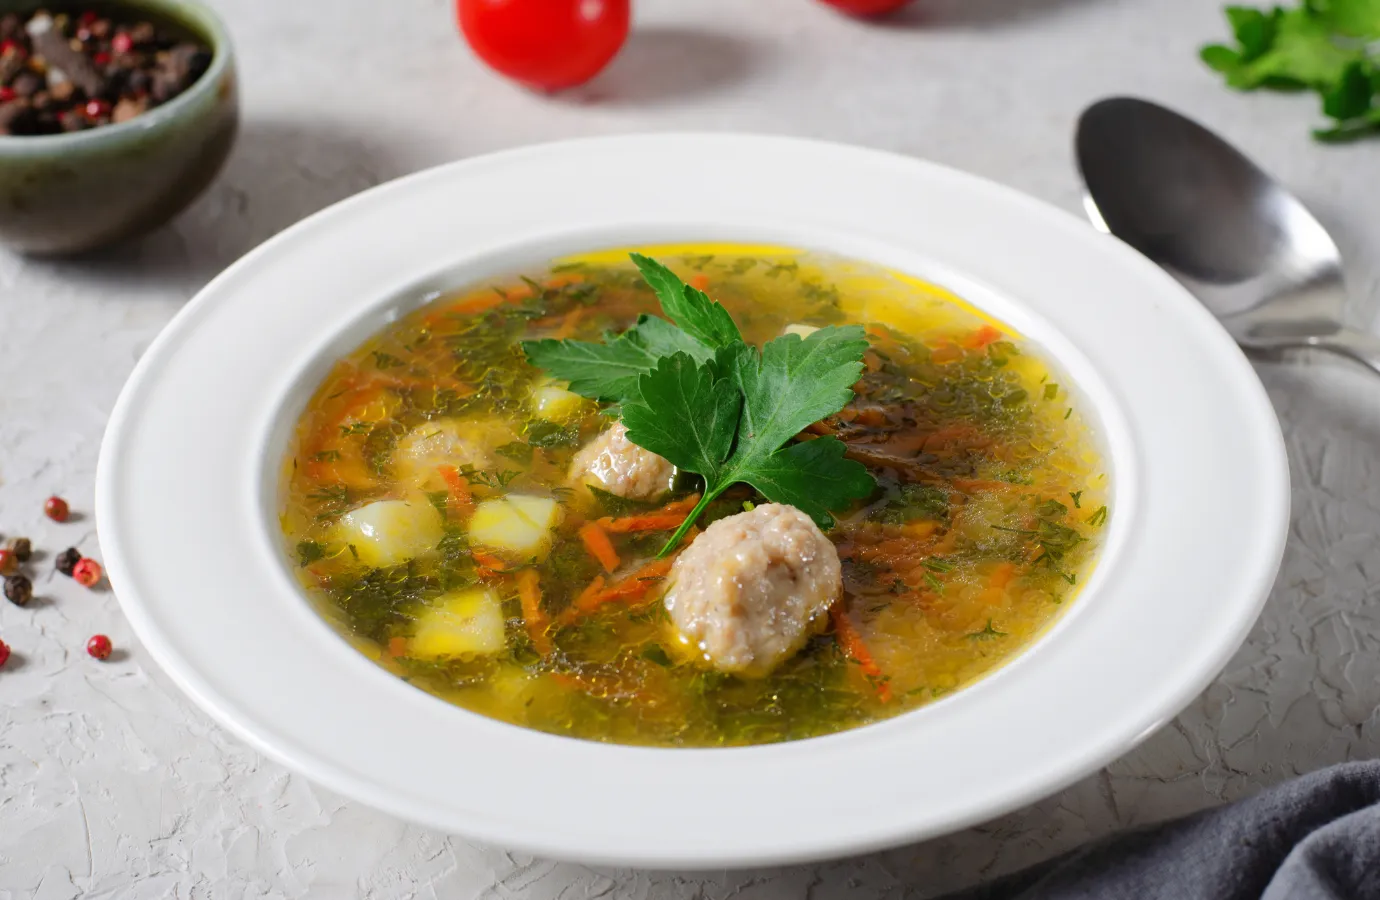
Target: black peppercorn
[(67, 560), (19, 589), (22, 549)]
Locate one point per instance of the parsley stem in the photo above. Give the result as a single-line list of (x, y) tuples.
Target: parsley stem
[(690, 520)]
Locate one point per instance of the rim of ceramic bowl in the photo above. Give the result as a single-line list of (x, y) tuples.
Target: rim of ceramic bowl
[(1196, 536), (186, 13)]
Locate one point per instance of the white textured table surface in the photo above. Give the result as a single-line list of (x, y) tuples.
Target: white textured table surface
[(114, 785)]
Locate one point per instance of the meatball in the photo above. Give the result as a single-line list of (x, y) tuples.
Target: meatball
[(753, 588), (615, 464), (449, 442)]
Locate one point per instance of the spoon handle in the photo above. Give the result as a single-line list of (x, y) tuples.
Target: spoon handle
[(1360, 346)]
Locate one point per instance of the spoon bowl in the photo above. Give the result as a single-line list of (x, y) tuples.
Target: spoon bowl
[(1235, 237)]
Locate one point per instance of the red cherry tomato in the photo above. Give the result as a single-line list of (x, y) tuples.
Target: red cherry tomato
[(867, 7), (545, 44)]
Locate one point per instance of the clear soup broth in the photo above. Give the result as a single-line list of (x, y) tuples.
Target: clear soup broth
[(990, 502)]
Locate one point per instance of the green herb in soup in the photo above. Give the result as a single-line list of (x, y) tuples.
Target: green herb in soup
[(714, 495)]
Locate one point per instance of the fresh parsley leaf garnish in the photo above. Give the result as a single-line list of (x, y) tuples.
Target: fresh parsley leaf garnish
[(697, 315), (693, 391), (1326, 46), (730, 421), (609, 371)]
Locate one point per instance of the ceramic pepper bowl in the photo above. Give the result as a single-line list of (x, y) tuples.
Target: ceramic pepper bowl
[(68, 193)]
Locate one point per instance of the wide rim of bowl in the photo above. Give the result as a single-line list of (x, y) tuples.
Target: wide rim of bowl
[(1196, 537), (190, 13)]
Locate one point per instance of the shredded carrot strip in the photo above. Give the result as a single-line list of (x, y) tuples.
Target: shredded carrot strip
[(570, 322), (996, 584), (529, 595), (461, 498), (982, 337), (668, 518), (945, 544), (629, 587), (599, 546), (871, 417), (653, 522), (700, 282), (852, 644), (634, 585), (397, 646), (945, 354), (919, 530), (684, 504), (489, 561), (584, 600), (477, 304)]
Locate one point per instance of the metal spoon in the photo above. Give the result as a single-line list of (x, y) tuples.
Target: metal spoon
[(1229, 232)]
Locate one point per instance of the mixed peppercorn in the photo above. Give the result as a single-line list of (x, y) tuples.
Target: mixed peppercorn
[(19, 587), (62, 73)]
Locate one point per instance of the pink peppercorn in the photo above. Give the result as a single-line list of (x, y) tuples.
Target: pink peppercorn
[(87, 572), (56, 509), (99, 646)]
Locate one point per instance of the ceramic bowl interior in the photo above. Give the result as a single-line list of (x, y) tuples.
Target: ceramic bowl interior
[(70, 193), (1195, 454)]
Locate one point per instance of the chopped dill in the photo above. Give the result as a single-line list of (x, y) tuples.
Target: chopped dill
[(492, 480), (331, 495), (655, 654), (517, 451), (309, 552), (549, 435), (1098, 517), (986, 634), (817, 293)]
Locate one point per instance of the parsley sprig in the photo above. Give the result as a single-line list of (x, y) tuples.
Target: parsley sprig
[(693, 391), (1327, 46)]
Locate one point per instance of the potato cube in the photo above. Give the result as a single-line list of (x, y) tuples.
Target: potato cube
[(464, 623), (518, 525), (556, 404), (390, 532)]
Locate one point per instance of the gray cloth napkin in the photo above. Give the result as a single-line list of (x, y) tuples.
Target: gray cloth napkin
[(1313, 838)]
